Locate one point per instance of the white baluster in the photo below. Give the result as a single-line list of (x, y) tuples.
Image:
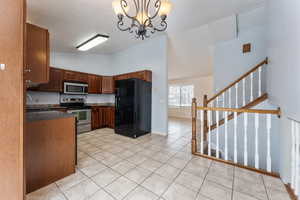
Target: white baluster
[(201, 130), (245, 139), (259, 82), (269, 162), (217, 135), (236, 95), (209, 131), (256, 141), (293, 159), (244, 92), (223, 97), (251, 83), (235, 137), (229, 99), (226, 135), (297, 159)]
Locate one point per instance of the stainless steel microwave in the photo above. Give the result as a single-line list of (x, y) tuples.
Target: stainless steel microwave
[(75, 88)]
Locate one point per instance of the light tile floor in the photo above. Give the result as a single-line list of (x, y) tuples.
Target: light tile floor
[(153, 167)]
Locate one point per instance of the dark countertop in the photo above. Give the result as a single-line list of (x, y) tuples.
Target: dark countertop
[(47, 115), (44, 106)]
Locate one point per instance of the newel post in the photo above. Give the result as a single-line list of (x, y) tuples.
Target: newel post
[(205, 125), (194, 130)]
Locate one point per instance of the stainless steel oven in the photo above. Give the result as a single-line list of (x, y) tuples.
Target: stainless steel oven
[(76, 105), (84, 119), (75, 88)]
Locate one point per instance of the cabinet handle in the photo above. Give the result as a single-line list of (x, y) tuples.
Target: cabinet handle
[(27, 70), (28, 81)]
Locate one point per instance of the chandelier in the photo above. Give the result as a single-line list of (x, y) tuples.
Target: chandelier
[(147, 16)]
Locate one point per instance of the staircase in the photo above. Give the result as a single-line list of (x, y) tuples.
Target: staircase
[(236, 124)]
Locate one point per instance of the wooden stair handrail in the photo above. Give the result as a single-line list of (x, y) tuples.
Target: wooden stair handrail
[(241, 110), (249, 105), (239, 79)]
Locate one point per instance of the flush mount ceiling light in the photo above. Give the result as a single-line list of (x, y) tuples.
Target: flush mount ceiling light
[(143, 16), (94, 41)]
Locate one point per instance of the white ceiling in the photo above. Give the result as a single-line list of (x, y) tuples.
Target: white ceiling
[(71, 22)]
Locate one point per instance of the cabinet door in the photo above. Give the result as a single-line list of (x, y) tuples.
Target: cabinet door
[(55, 81), (138, 75), (122, 77), (37, 54), (93, 84), (147, 75), (82, 77), (108, 85), (95, 119), (112, 117), (102, 116), (70, 76)]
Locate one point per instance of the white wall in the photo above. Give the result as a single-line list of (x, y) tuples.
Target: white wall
[(229, 61), (202, 86), (151, 55), (283, 70), (83, 62)]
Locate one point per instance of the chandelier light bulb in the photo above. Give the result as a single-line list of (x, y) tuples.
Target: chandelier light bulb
[(117, 6), (165, 8)]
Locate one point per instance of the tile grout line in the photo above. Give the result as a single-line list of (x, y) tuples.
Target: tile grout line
[(198, 193), (233, 181), (265, 187), (61, 191)]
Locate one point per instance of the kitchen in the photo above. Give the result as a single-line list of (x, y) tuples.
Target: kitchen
[(72, 90), (67, 99)]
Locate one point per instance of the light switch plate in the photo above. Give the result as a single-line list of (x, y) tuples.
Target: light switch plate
[(2, 66)]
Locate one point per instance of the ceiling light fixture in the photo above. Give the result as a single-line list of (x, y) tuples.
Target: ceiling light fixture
[(143, 15), (91, 43)]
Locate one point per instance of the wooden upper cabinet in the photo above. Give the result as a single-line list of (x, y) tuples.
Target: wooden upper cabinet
[(122, 77), (76, 76), (145, 75), (70, 76), (37, 54), (99, 80), (94, 82), (82, 77), (108, 85), (55, 81)]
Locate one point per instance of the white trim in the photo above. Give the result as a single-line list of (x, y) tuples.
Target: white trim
[(159, 133)]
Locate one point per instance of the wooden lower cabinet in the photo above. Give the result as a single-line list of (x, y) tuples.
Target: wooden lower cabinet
[(45, 163), (103, 116)]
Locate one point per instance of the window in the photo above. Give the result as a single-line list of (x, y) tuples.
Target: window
[(181, 95)]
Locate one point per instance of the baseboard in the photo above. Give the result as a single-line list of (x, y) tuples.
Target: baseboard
[(159, 133)]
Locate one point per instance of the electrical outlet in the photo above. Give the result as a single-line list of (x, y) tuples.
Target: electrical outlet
[(2, 67)]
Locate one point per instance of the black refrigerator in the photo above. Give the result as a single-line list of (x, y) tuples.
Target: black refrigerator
[(133, 107)]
